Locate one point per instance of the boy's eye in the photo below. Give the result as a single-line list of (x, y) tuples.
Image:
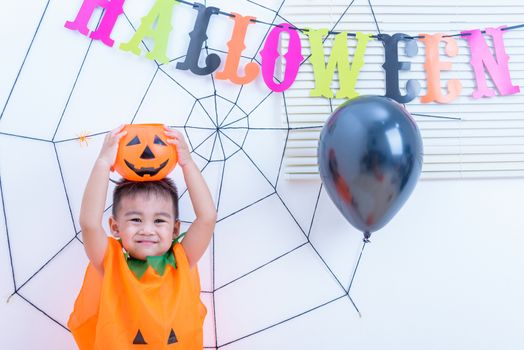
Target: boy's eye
[(158, 221), (136, 220)]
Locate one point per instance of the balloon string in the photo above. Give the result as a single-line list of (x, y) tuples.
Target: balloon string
[(365, 241)]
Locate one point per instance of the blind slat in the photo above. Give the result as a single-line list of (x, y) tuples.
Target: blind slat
[(487, 141)]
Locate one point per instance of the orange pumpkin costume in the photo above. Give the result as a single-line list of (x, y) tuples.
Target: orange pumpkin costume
[(117, 311)]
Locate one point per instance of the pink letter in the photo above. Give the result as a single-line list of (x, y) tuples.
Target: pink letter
[(270, 54), (481, 56), (113, 9)]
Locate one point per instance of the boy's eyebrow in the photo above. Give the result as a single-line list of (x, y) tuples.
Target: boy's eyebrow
[(134, 212)]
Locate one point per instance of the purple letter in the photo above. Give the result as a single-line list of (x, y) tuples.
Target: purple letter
[(270, 54), (481, 56)]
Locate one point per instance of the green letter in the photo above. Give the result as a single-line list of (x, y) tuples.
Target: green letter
[(339, 58), (161, 12)]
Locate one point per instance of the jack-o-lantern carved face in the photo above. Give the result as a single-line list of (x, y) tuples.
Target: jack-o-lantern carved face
[(144, 154)]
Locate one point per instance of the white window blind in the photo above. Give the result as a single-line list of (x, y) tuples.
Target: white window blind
[(466, 138)]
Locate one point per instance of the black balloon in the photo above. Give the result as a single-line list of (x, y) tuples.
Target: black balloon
[(370, 158)]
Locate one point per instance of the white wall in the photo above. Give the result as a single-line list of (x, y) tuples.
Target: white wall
[(445, 273)]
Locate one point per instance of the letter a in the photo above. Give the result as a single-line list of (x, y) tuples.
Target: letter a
[(162, 13)]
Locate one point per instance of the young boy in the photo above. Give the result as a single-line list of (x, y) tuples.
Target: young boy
[(142, 291)]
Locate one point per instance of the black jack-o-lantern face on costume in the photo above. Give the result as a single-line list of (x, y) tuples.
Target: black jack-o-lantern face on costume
[(139, 338), (144, 154)]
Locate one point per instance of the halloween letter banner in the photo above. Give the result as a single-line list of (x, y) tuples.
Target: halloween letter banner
[(156, 26)]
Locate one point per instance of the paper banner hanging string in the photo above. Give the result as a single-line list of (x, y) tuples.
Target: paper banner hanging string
[(236, 45), (392, 66), (339, 58), (270, 53), (481, 57), (161, 13), (113, 9), (198, 37), (434, 65)]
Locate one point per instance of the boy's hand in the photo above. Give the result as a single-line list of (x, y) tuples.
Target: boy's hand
[(174, 137), (110, 146)]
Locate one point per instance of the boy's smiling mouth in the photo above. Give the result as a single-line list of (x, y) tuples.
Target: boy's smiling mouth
[(146, 241)]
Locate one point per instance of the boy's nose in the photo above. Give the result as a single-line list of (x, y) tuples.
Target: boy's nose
[(146, 230)]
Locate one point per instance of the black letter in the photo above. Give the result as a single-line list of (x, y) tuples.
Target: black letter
[(198, 36), (392, 66)]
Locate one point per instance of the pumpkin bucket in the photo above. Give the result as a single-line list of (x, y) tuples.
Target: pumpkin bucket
[(144, 154)]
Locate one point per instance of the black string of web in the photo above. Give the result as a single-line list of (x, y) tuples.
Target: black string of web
[(218, 136), (56, 142), (17, 289), (275, 189)]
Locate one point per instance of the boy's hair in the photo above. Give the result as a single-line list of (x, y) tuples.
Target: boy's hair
[(165, 188)]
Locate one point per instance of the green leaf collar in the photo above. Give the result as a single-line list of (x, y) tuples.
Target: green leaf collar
[(158, 263)]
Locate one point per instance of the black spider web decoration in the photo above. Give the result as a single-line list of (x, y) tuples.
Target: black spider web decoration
[(220, 131)]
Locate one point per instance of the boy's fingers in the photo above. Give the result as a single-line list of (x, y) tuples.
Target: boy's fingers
[(172, 141), (171, 131), (173, 135), (120, 134), (117, 130)]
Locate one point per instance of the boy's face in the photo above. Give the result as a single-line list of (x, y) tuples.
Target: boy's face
[(146, 225)]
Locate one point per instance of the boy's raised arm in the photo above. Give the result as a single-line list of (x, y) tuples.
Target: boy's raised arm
[(93, 202), (201, 230)]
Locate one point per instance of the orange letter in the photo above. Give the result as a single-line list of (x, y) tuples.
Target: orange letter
[(433, 66), (236, 46)]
